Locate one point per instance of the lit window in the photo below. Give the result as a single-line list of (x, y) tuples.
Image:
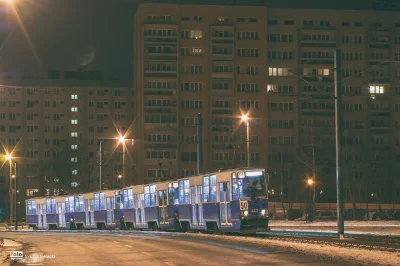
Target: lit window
[(74, 147), (376, 89), (74, 97), (74, 184), (74, 172), (196, 34), (74, 134), (74, 122), (74, 159), (326, 71), (74, 109)]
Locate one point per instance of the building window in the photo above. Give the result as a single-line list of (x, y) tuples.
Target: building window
[(74, 147), (275, 71), (74, 122), (74, 109), (74, 172), (74, 97), (375, 89), (74, 134)]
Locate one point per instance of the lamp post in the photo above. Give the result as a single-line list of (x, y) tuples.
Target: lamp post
[(245, 118), (311, 182), (9, 159), (15, 198), (122, 140)]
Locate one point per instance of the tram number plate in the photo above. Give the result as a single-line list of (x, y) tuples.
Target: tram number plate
[(244, 205)]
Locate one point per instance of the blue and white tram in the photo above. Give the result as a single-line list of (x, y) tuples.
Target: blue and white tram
[(226, 201)]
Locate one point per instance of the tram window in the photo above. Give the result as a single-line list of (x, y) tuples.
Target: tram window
[(184, 192), (235, 189), (210, 188), (213, 188), (96, 202), (31, 207), (79, 203), (69, 204), (127, 199), (173, 194), (206, 189), (130, 197), (101, 201), (150, 196)]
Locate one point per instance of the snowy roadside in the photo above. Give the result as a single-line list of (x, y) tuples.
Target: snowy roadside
[(5, 247), (347, 254), (273, 223)]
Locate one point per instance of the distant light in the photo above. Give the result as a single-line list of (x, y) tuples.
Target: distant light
[(245, 118), (310, 181), (8, 157), (121, 139), (119, 176)]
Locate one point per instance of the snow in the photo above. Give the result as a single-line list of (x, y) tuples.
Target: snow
[(5, 249), (273, 223), (348, 254)]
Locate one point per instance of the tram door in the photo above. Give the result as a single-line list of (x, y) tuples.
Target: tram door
[(39, 215), (199, 205), (162, 207), (225, 205), (44, 222), (193, 201)]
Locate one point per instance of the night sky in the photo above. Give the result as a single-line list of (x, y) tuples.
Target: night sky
[(62, 30)]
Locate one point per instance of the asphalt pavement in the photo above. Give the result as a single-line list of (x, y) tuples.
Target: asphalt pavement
[(46, 248)]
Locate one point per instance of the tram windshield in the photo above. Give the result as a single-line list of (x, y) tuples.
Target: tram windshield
[(249, 185)]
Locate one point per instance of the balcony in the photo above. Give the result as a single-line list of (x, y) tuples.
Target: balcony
[(222, 57), (160, 39), (222, 146), (222, 75), (160, 145), (160, 73), (317, 60), (318, 78), (318, 43), (226, 38), (380, 112)]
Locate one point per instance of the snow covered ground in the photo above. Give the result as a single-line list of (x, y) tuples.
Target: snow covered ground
[(330, 252), (282, 223), (5, 247)]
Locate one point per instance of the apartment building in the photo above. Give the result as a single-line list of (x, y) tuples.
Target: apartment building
[(276, 66), (53, 128)]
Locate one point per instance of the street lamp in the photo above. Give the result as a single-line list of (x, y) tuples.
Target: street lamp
[(245, 118)]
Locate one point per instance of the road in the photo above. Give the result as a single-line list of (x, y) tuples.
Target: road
[(149, 249)]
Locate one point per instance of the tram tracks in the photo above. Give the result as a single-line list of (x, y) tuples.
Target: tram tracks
[(366, 242)]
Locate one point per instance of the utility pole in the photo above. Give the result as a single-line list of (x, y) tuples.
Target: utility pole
[(11, 194), (199, 144), (101, 165), (339, 141), (15, 198), (123, 165), (248, 142)]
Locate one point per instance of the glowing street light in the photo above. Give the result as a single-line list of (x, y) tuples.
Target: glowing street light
[(8, 157), (119, 176), (121, 139), (310, 181)]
